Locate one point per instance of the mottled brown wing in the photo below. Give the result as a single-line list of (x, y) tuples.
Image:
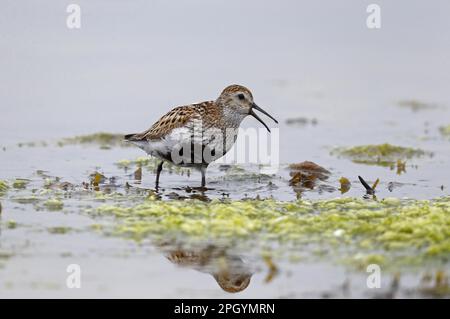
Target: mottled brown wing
[(178, 117), (174, 119)]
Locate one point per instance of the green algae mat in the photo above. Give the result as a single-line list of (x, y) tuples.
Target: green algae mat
[(389, 232)]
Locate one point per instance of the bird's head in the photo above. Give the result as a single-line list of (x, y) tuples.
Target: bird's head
[(237, 101)]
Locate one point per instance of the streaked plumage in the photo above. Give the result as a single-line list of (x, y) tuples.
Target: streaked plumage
[(197, 127)]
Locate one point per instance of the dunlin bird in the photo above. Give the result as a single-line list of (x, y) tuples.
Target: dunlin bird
[(195, 135)]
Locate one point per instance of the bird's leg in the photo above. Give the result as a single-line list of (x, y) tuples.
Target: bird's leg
[(158, 172), (203, 170)]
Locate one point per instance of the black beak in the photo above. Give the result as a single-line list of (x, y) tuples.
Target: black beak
[(256, 107)]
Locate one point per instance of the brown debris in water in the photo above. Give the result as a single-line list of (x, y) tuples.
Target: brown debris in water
[(97, 178), (370, 190), (345, 185), (437, 289), (308, 166), (416, 105), (401, 167), (273, 269), (138, 174), (306, 174)]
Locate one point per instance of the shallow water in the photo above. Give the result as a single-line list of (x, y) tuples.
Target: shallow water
[(320, 62)]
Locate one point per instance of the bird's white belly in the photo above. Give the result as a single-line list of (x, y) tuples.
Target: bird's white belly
[(202, 143)]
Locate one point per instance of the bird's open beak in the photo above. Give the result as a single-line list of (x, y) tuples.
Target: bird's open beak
[(252, 113)]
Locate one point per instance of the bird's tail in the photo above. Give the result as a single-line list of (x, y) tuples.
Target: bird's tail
[(131, 137), (139, 140)]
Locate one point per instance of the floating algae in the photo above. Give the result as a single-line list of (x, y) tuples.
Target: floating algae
[(345, 185), (416, 105), (150, 164), (381, 154), (3, 187), (125, 164), (54, 204), (26, 199), (11, 224), (445, 130), (97, 178), (391, 231), (104, 140), (20, 183), (249, 174), (439, 287), (59, 230), (401, 167), (142, 161)]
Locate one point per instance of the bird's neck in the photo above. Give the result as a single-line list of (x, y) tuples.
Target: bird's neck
[(231, 118)]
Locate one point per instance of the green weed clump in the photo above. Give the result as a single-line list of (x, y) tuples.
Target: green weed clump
[(381, 154), (388, 231)]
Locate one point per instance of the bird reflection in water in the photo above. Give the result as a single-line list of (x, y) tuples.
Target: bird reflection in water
[(231, 273)]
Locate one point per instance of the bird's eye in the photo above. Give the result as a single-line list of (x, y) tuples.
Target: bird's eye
[(241, 96)]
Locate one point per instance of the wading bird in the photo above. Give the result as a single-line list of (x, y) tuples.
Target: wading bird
[(197, 134)]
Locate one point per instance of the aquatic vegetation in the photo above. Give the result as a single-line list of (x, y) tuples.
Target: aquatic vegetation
[(56, 184), (345, 185), (20, 183), (11, 224), (416, 105), (306, 175), (26, 199), (3, 187), (401, 167), (445, 130), (59, 230), (124, 164), (436, 287), (381, 154), (138, 174), (103, 139), (150, 163), (54, 204), (4, 254), (272, 269), (97, 178), (249, 174), (388, 232)]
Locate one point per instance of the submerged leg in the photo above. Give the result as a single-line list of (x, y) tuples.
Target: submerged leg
[(158, 172), (203, 170)]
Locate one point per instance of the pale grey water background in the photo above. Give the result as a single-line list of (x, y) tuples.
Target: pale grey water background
[(132, 61)]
